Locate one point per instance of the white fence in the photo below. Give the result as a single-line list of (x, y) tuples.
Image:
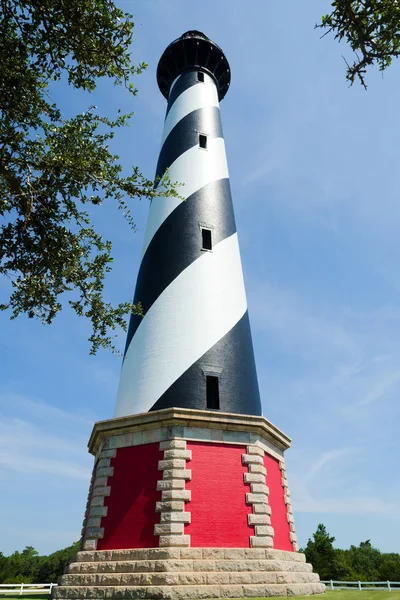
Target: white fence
[(362, 585), (22, 589)]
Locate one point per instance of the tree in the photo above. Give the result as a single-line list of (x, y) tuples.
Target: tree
[(3, 562), (50, 568), (323, 556), (358, 563), (320, 552), (53, 168), (365, 561), (28, 567), (19, 567), (372, 29), (389, 569)]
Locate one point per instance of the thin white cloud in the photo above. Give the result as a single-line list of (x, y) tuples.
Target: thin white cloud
[(22, 463), (44, 540), (39, 438), (16, 433), (102, 376), (323, 461), (40, 410), (359, 345), (283, 313), (344, 396), (362, 505), (323, 487)]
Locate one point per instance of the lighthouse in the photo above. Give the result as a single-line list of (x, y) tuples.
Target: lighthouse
[(189, 495), (193, 347)]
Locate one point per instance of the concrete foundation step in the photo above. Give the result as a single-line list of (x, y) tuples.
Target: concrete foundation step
[(187, 578), (188, 554), (188, 592), (144, 566), (187, 574)]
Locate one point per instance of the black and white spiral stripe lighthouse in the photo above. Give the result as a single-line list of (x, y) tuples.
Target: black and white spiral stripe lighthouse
[(193, 347), (189, 469)]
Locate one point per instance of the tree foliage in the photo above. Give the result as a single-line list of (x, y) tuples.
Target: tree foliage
[(321, 554), (371, 28), (52, 168), (358, 563), (28, 567)]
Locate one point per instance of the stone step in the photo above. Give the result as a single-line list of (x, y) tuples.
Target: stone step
[(189, 553), (144, 566), (187, 578), (189, 592)]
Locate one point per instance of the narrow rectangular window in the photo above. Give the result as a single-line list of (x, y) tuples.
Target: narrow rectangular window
[(203, 141), (212, 392), (200, 76), (206, 240)]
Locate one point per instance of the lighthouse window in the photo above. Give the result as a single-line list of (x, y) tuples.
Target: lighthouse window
[(206, 241), (212, 384), (200, 76), (203, 141)]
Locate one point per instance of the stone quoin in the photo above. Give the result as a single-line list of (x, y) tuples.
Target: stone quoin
[(189, 496)]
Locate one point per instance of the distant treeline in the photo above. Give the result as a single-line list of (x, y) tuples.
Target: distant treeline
[(359, 563), (28, 567)]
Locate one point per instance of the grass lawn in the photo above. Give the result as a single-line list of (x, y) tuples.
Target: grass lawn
[(25, 597), (335, 595), (357, 595)]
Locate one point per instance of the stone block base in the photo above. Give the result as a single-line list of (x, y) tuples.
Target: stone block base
[(188, 573)]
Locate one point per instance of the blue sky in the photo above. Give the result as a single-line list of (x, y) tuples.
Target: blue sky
[(315, 181)]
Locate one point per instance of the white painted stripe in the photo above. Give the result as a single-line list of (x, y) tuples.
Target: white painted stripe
[(195, 168), (173, 83), (192, 314), (199, 95)]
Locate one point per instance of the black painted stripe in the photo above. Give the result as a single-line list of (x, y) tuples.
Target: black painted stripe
[(185, 81), (177, 242), (233, 360), (185, 135)]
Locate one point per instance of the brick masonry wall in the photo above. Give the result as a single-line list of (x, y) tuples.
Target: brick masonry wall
[(130, 506), (279, 511), (188, 492), (288, 504), (219, 513)]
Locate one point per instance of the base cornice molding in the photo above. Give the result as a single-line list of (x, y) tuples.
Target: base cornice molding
[(185, 417)]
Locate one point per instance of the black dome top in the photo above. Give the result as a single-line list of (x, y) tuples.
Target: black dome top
[(193, 50)]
